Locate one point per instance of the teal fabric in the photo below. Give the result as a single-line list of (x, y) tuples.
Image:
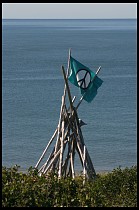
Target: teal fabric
[(91, 91)]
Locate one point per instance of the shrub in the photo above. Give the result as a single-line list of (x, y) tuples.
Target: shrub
[(114, 189)]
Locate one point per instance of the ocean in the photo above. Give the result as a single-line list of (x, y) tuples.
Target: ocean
[(33, 52)]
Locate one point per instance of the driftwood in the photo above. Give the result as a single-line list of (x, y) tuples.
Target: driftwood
[(68, 142)]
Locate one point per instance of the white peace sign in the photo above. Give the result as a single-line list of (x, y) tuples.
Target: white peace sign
[(83, 77)]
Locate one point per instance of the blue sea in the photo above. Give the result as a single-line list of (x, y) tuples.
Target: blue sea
[(33, 52)]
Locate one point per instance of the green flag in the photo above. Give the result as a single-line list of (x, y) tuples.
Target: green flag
[(82, 77)]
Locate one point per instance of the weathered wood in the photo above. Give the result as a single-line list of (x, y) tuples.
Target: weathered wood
[(69, 134), (72, 160), (47, 161), (60, 119), (61, 151), (84, 159), (68, 90), (52, 161), (49, 143), (79, 132), (88, 159), (80, 152), (68, 62), (65, 164)]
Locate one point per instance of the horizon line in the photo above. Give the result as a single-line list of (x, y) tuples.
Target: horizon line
[(64, 18)]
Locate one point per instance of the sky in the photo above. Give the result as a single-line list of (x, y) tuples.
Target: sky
[(68, 10)]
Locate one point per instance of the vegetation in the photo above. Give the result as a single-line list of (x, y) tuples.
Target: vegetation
[(114, 189)]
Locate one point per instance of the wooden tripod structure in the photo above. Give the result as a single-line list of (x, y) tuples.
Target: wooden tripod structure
[(68, 135)]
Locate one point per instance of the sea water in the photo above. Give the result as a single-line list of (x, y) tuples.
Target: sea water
[(33, 52)]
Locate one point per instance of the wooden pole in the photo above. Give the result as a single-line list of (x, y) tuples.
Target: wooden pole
[(68, 90), (81, 143), (46, 148), (63, 97), (67, 71), (65, 164), (58, 152), (71, 166), (91, 169), (60, 118), (68, 62), (90, 164), (51, 155), (61, 151), (84, 161)]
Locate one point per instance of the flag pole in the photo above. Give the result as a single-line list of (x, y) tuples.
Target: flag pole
[(85, 92), (67, 73), (68, 90), (68, 62)]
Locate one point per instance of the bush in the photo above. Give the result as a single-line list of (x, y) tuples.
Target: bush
[(114, 189)]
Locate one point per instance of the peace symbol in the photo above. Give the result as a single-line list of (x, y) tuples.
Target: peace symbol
[(83, 77)]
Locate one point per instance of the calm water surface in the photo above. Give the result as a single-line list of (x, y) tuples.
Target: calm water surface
[(32, 86)]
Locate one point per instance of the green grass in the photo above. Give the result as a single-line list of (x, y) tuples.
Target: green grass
[(117, 188)]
